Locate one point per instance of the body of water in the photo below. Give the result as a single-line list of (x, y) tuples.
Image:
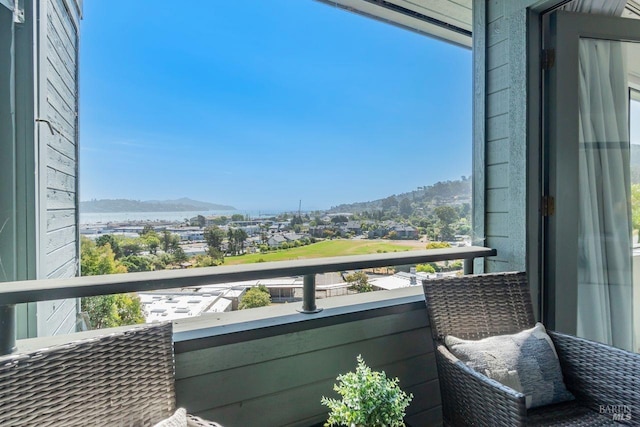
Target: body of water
[(106, 217)]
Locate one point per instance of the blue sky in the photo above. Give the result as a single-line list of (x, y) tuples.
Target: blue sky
[(259, 104)]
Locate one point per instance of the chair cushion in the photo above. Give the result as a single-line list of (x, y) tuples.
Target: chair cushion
[(526, 361), (178, 419)]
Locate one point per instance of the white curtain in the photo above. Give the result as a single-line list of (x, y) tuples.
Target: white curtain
[(602, 7), (604, 258)]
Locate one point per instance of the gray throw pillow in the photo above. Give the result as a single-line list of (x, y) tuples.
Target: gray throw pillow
[(527, 362)]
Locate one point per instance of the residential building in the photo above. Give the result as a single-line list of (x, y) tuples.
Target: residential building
[(276, 240)]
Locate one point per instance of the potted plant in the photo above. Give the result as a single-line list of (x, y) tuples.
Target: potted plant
[(369, 398)]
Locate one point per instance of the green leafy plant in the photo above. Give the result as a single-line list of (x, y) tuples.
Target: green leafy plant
[(369, 398)]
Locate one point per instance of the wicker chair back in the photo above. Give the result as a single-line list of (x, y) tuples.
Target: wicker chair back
[(479, 306), (121, 379)]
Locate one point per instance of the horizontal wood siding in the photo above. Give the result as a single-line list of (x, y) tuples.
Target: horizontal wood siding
[(60, 198), (56, 317), (57, 219), (506, 133), (279, 380)]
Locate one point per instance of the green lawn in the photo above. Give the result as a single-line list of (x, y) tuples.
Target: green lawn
[(322, 249)]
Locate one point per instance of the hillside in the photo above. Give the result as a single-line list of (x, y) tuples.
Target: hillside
[(451, 192), (125, 205)]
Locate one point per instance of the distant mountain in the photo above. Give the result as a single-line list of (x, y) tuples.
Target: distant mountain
[(124, 205), (442, 192)]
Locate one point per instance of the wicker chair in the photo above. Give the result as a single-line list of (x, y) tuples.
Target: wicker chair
[(475, 307), (119, 379)]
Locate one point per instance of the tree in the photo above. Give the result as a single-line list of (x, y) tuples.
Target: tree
[(179, 255), (296, 220), (98, 259), (214, 237), (255, 297), (231, 241), (205, 261), (239, 236), (202, 221), (425, 268), (359, 282), (389, 203), (169, 241), (447, 233), (151, 241), (108, 311), (446, 214), (136, 263), (405, 207), (237, 217), (130, 246), (113, 243)]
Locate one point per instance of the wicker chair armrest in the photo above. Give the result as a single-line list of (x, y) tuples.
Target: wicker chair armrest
[(193, 421), (470, 398), (598, 374)]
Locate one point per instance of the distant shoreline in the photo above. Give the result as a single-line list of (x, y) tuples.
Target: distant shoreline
[(90, 218), (126, 205)]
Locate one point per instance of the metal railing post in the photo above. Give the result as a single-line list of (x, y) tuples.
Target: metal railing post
[(7, 329), (468, 266), (309, 295)]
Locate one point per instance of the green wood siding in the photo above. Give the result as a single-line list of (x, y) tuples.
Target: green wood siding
[(58, 185), (279, 380), (500, 131)]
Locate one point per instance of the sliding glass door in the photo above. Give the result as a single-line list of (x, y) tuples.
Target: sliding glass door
[(588, 259)]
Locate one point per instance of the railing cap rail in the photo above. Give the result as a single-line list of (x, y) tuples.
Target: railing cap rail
[(75, 287)]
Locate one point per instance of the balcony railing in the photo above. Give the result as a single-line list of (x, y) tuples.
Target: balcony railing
[(12, 293), (270, 366)]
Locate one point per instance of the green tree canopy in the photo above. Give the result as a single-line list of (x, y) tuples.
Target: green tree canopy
[(446, 214), (359, 282), (131, 246), (237, 217), (179, 255), (169, 241), (214, 237), (425, 268), (136, 263), (205, 261), (98, 259), (107, 310), (255, 297), (151, 241), (405, 207), (112, 242), (389, 202)]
